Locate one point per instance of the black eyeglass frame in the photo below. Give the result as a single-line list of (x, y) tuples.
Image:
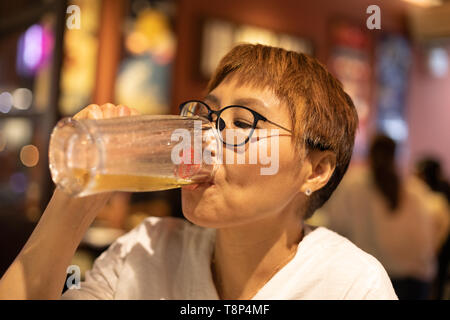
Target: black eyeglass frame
[(256, 117)]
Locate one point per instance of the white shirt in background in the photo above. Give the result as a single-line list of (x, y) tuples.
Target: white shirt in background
[(404, 242)]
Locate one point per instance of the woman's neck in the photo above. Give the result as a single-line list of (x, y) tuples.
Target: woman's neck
[(247, 257)]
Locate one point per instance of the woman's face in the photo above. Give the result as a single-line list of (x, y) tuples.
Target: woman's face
[(239, 193)]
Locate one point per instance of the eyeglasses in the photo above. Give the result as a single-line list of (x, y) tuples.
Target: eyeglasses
[(235, 124)]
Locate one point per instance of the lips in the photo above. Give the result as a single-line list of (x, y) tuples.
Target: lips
[(191, 186), (198, 185)]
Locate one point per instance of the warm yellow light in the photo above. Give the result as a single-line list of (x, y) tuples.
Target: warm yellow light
[(2, 142), (137, 43), (29, 155), (425, 3), (33, 213)]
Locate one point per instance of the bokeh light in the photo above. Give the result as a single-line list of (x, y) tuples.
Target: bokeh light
[(6, 101), (29, 155), (17, 132), (34, 49), (18, 182), (438, 62), (425, 3), (33, 46), (136, 43), (2, 142), (33, 191), (22, 98), (33, 214)]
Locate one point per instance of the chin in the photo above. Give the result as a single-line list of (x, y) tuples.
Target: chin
[(205, 207), (207, 216), (198, 208), (202, 215)]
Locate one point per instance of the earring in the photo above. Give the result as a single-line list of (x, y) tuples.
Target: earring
[(308, 192)]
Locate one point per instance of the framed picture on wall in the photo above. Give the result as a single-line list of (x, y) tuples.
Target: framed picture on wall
[(392, 63), (219, 36), (350, 61)]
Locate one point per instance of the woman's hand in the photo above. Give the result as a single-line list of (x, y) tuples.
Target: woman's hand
[(105, 111)]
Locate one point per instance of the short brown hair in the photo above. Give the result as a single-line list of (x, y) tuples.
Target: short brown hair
[(328, 120)]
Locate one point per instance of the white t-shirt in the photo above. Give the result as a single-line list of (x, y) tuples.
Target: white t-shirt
[(169, 258)]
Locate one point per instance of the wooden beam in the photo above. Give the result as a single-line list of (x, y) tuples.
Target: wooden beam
[(110, 48)]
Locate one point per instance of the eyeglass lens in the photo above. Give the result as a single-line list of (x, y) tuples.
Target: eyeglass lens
[(235, 124)]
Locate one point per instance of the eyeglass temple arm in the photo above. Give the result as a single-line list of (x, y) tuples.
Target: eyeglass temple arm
[(279, 126)]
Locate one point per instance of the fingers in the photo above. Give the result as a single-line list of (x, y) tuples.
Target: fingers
[(126, 111), (92, 111), (109, 110), (105, 111), (95, 112), (123, 111)]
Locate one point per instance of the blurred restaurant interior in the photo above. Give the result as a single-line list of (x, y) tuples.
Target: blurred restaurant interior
[(153, 54)]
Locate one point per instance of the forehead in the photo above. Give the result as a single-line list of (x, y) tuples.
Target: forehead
[(232, 91)]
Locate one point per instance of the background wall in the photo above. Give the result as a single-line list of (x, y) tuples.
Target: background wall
[(310, 19), (429, 112), (305, 18)]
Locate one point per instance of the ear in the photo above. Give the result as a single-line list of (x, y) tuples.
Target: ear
[(321, 167)]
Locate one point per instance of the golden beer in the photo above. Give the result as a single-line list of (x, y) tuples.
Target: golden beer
[(131, 183)]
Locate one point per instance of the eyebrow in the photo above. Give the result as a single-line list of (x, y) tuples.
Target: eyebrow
[(212, 98), (240, 101)]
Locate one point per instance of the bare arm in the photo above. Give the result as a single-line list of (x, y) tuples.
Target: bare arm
[(39, 271)]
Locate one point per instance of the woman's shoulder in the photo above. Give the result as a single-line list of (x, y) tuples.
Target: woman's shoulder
[(339, 249), (343, 263)]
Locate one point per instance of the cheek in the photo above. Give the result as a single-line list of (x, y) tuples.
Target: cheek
[(270, 193), (242, 193), (254, 160), (267, 159), (267, 185)]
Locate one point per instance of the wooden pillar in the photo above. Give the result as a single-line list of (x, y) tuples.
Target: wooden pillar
[(110, 48)]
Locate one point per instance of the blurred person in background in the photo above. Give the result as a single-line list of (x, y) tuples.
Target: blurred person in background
[(429, 170), (245, 237), (397, 221)]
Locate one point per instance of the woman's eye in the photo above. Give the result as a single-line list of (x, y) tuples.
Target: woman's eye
[(241, 124)]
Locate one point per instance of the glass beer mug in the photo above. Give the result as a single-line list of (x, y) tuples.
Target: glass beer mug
[(136, 153)]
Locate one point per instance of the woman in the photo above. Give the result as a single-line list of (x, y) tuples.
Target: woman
[(247, 238), (399, 222)]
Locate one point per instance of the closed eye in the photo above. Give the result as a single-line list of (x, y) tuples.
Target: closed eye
[(242, 125)]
